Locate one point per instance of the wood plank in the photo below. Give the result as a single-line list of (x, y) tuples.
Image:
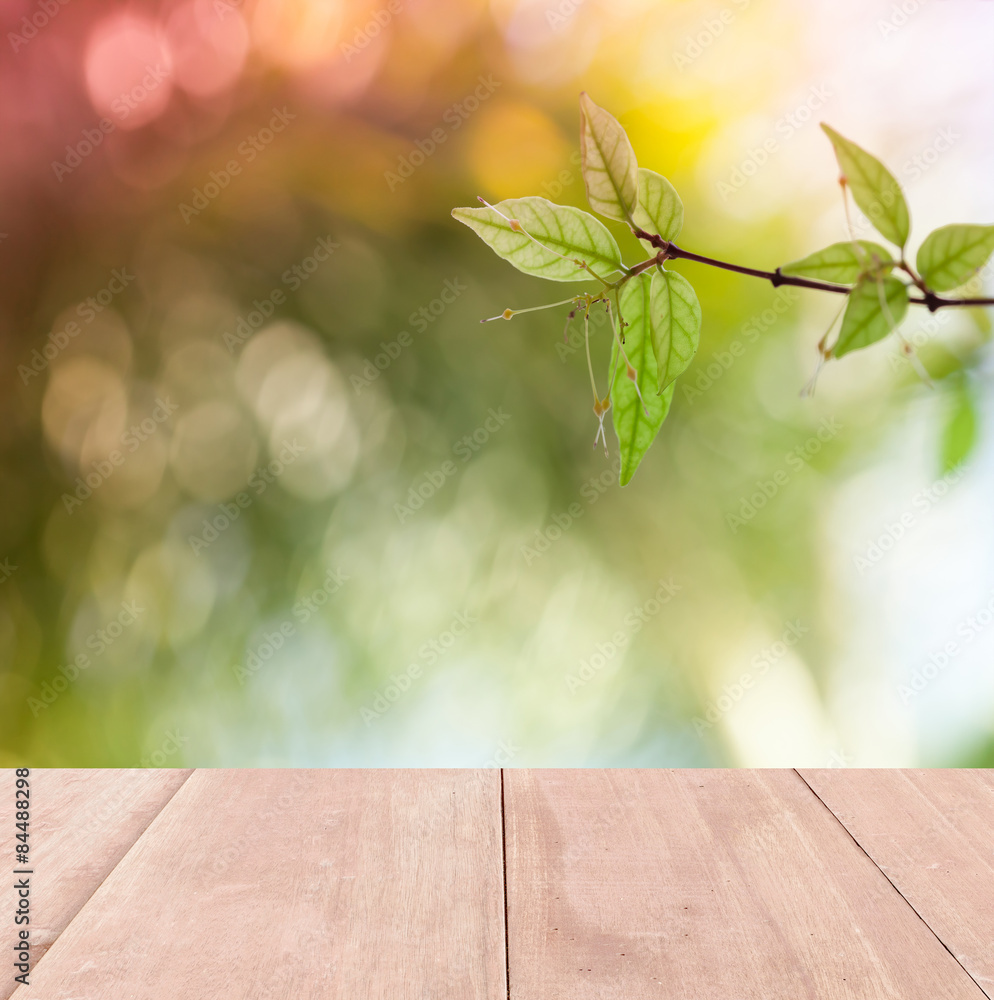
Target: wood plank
[(82, 823), (250, 884), (703, 885), (932, 834)]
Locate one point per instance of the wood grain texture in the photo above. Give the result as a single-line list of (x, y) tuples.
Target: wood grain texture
[(82, 823), (703, 885), (359, 885), (932, 833)]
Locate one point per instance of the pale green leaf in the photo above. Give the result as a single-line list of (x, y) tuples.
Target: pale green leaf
[(842, 263), (951, 254), (635, 430), (610, 170), (675, 325), (959, 436), (659, 210), (867, 320), (873, 188), (553, 238)]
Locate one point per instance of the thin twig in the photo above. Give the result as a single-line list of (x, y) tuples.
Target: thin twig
[(670, 251)]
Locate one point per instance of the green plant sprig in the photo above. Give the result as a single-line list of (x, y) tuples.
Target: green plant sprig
[(654, 313)]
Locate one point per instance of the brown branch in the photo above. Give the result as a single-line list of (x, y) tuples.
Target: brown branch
[(670, 251)]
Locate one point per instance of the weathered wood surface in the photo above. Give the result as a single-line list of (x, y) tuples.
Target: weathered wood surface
[(932, 834), (359, 885), (82, 823), (703, 885)]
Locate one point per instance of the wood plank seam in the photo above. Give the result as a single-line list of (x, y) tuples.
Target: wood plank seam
[(896, 889), (165, 804), (503, 846)]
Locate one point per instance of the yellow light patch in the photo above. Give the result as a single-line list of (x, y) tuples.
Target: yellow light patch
[(514, 149)]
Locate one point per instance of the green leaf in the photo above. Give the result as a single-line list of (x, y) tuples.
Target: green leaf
[(610, 170), (659, 208), (873, 188), (675, 324), (865, 321), (554, 237), (959, 436), (951, 254), (842, 263), (634, 429)]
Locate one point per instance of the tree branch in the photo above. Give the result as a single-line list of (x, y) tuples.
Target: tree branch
[(670, 251)]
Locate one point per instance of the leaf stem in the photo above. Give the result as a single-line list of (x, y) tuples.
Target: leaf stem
[(670, 251)]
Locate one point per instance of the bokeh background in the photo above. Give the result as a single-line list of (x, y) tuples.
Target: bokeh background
[(297, 342)]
